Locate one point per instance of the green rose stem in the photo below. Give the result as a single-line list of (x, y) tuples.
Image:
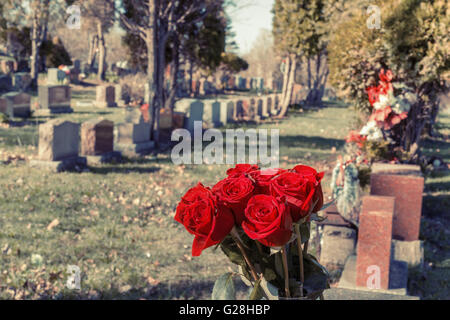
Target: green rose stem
[(286, 272), (300, 256), (235, 237)]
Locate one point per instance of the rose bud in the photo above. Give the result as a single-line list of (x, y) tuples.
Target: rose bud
[(241, 169), (235, 192), (205, 218), (268, 220)]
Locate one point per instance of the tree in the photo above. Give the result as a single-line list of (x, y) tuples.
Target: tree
[(298, 30), (155, 21), (261, 58), (99, 16), (413, 43)]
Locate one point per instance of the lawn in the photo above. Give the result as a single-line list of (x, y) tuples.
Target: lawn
[(115, 222)]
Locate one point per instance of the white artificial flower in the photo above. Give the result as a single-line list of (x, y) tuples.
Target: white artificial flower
[(372, 131)]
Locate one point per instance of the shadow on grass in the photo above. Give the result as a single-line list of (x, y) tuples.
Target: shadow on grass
[(184, 290), (436, 205), (123, 169), (311, 142)]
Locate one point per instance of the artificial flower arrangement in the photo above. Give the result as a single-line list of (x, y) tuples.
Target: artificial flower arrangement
[(391, 102), (260, 218)]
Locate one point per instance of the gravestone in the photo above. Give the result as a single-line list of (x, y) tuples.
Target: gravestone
[(5, 83), (119, 95), (20, 102), (54, 99), (193, 110), (55, 76), (58, 146), (105, 96), (97, 141), (165, 118), (374, 239), (239, 110), (133, 139), (6, 107), (222, 112), (21, 81), (407, 188)]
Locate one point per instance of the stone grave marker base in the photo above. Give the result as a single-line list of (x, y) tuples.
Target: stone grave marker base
[(135, 149), (398, 278), (108, 157), (53, 110), (348, 294), (61, 165)]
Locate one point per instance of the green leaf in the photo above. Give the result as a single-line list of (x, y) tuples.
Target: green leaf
[(304, 232), (326, 205), (316, 217), (316, 276), (232, 251), (224, 288)]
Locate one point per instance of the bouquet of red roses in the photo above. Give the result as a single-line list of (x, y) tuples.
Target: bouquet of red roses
[(261, 221)]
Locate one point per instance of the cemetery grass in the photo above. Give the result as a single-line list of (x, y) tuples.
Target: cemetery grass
[(116, 224)]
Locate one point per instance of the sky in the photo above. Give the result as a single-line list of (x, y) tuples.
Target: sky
[(247, 20)]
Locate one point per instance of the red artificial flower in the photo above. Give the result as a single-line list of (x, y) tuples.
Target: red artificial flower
[(386, 76), (268, 221), (203, 216), (355, 137), (374, 94)]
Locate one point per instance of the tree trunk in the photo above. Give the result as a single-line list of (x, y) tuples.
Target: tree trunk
[(170, 102), (309, 73), (34, 50), (285, 79), (101, 52), (152, 43), (290, 87), (93, 45)]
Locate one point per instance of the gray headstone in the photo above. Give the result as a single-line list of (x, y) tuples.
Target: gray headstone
[(5, 83), (55, 98), (105, 96), (55, 76), (6, 107), (58, 140), (20, 102), (132, 133), (411, 252)]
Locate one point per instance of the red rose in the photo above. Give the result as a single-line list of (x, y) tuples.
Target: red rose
[(241, 169), (202, 216), (262, 178), (300, 187), (235, 192), (315, 178), (268, 221)]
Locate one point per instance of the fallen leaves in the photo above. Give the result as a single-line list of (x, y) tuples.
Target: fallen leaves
[(53, 224)]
